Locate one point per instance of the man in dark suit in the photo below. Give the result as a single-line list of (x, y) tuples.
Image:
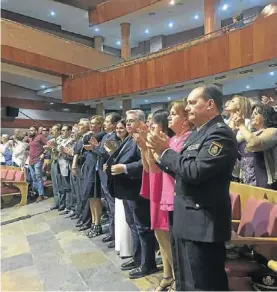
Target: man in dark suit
[(202, 207), (110, 122), (126, 171)]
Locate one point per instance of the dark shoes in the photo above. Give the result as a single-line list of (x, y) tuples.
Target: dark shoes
[(75, 216), (111, 244), (84, 227), (64, 212), (53, 208), (39, 199), (129, 265), (141, 272), (107, 238)]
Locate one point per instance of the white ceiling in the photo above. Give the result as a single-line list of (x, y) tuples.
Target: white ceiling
[(76, 20)]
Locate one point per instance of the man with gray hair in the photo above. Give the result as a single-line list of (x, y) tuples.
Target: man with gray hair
[(125, 166)]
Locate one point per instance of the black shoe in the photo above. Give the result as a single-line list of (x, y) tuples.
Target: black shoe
[(53, 208), (111, 244), (107, 238), (74, 217), (64, 212), (141, 272), (61, 209), (84, 227), (97, 231), (79, 223), (70, 214), (129, 265), (89, 234)]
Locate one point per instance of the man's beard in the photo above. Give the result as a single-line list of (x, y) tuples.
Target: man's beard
[(31, 135)]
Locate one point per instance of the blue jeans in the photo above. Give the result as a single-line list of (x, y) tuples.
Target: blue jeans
[(36, 174)]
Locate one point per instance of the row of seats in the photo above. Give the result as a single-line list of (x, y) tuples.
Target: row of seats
[(12, 175)]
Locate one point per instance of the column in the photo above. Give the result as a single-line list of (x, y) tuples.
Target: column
[(125, 41), (126, 105), (157, 106), (211, 20), (98, 42), (156, 43), (100, 109)]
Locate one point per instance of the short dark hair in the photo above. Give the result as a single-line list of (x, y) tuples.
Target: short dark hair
[(69, 127), (35, 127), (115, 117), (59, 126), (269, 115), (213, 92), (160, 117), (122, 121)]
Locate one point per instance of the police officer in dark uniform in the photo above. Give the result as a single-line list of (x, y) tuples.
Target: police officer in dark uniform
[(202, 207)]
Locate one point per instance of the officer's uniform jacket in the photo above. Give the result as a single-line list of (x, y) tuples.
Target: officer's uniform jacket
[(203, 168)]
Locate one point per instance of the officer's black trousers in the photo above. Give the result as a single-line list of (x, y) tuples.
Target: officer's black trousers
[(199, 265)]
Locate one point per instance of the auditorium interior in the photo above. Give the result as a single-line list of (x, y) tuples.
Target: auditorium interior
[(75, 73)]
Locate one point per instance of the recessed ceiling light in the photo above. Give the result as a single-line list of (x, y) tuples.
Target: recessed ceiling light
[(66, 110), (196, 16), (168, 98), (147, 30), (51, 103), (271, 73), (146, 100), (121, 106), (118, 43), (52, 13), (247, 87), (172, 2), (42, 86), (225, 7), (96, 29), (170, 24)]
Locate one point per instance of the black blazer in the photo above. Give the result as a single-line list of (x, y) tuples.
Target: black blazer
[(203, 168), (126, 186)]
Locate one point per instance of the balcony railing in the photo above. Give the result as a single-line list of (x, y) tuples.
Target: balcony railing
[(181, 46)]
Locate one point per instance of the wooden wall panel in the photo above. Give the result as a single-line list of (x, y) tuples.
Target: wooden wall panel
[(116, 8), (38, 62), (252, 44), (198, 61), (246, 46), (218, 49), (234, 50), (25, 124)]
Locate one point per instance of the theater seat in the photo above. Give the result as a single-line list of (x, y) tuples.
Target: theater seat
[(10, 175), (236, 206), (259, 219), (19, 176), (7, 190), (4, 172)]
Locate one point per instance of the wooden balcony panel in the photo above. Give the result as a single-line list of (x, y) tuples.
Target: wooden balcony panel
[(117, 8), (38, 62), (249, 45)]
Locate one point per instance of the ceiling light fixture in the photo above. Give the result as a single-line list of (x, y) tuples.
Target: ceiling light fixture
[(271, 73), (146, 100), (51, 103), (225, 7), (146, 31), (170, 24), (168, 98), (172, 2), (247, 87), (196, 16), (52, 13), (96, 29), (42, 86), (118, 43)]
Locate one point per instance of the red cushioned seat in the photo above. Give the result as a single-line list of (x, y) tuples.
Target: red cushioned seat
[(47, 183), (19, 176), (5, 190), (4, 172), (10, 175)]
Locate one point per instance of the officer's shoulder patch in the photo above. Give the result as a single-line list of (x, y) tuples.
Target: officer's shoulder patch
[(215, 148)]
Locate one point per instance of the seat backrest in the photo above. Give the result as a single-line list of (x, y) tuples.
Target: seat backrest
[(255, 219), (19, 176), (10, 175), (272, 225), (4, 172), (236, 206)]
